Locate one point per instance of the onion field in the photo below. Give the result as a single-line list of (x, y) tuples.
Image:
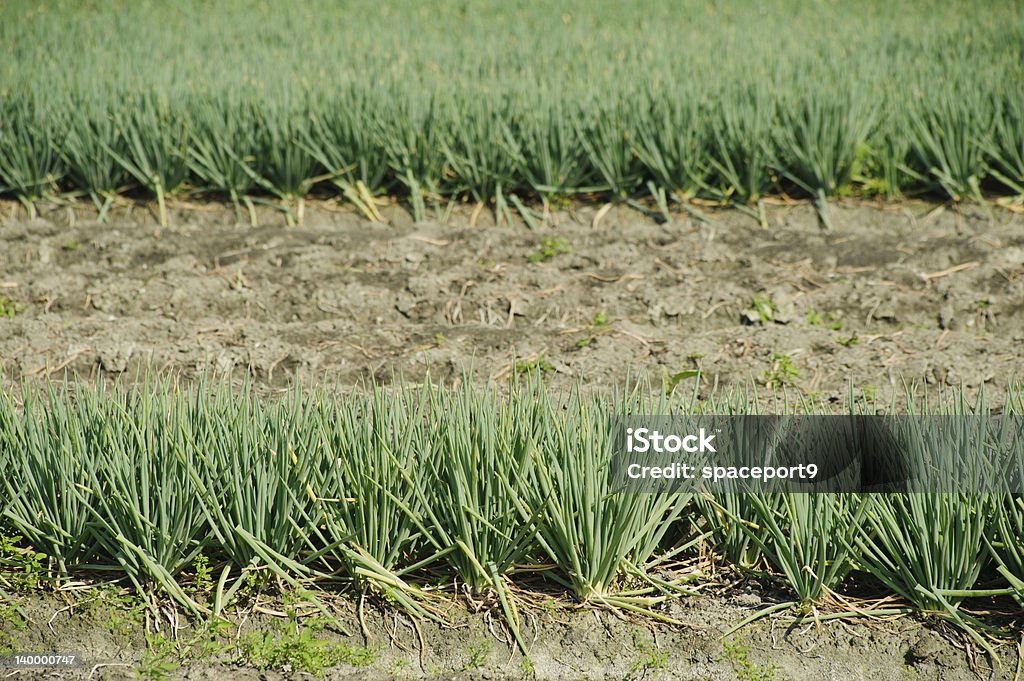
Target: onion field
[(267, 375)]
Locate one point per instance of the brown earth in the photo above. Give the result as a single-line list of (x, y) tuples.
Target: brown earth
[(899, 292), (565, 642)]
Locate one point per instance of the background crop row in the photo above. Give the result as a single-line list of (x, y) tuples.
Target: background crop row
[(727, 102)]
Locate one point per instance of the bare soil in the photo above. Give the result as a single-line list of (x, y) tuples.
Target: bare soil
[(899, 292), (565, 642)]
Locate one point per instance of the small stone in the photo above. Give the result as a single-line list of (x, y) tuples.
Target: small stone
[(927, 647), (946, 317), (677, 307), (405, 303), (748, 600), (750, 317), (785, 306), (887, 310)]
